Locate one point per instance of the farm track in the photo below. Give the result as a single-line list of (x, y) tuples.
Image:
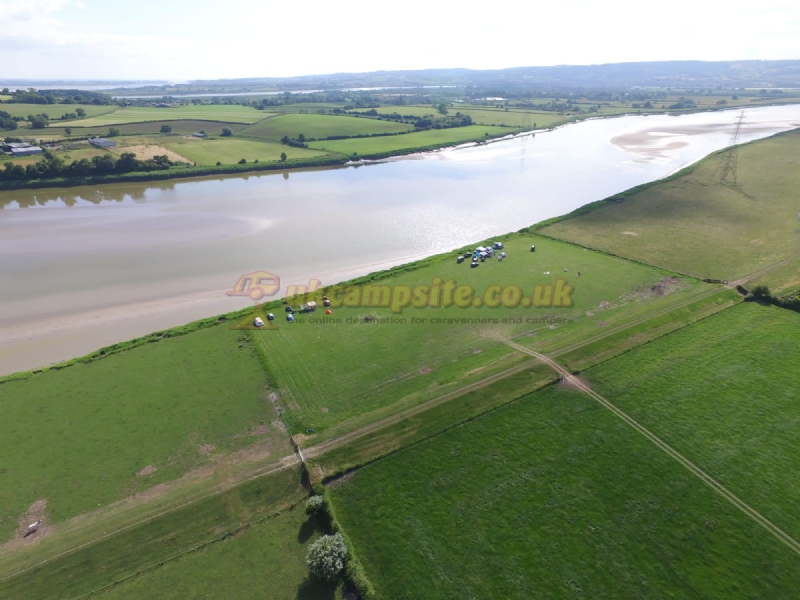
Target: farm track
[(764, 271), (702, 475)]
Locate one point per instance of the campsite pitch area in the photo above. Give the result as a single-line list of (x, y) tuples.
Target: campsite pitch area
[(552, 497), (351, 366), (692, 224), (724, 393), (89, 434)]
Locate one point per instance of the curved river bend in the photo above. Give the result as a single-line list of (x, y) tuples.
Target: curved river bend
[(83, 268)]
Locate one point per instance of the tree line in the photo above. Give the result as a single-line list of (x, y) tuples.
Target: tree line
[(52, 166), (32, 96)]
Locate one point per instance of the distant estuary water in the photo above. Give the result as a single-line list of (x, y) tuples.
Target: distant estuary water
[(86, 267)]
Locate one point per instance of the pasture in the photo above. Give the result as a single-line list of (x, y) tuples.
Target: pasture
[(177, 544), (552, 497), (349, 371), (266, 561), (413, 111), (231, 113), (183, 126), (232, 150), (511, 118), (321, 126), (723, 392), (411, 142), (692, 224), (54, 111), (127, 422)]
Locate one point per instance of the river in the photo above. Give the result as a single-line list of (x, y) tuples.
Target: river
[(82, 268)]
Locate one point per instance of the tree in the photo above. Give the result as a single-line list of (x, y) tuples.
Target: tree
[(243, 161), (301, 138), (283, 157), (227, 132), (442, 108), (314, 504), (113, 132), (68, 131), (326, 556), (285, 139), (166, 129), (80, 112)]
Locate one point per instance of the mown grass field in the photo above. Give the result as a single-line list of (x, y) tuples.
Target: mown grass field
[(77, 437), (179, 545), (723, 392), (693, 224), (232, 150), (553, 497), (414, 111), (423, 140), (321, 126), (135, 114), (330, 373), (266, 561)]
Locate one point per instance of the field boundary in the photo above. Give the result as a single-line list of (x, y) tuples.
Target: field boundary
[(782, 536)]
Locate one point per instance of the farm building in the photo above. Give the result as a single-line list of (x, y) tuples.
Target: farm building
[(26, 151), (199, 134), (102, 143)]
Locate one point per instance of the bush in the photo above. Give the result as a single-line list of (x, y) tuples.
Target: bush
[(243, 161), (166, 129), (227, 132), (113, 132), (760, 291), (314, 504), (326, 557), (283, 157)]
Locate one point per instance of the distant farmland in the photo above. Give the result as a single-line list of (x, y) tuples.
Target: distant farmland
[(321, 126)]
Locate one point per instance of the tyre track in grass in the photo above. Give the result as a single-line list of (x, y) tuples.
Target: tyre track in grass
[(781, 535)]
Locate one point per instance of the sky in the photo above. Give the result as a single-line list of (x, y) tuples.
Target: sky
[(180, 40)]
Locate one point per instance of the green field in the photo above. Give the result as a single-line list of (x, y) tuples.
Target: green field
[(266, 561), (232, 150), (321, 126), (693, 224), (77, 437), (184, 126), (332, 373), (724, 393), (414, 111), (113, 554), (512, 118), (553, 497), (54, 111), (423, 140), (136, 114)]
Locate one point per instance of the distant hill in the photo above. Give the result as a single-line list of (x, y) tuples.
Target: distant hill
[(743, 73)]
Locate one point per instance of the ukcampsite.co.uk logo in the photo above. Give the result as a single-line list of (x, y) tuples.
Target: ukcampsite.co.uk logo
[(444, 294)]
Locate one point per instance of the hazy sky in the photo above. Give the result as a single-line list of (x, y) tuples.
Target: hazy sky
[(192, 39)]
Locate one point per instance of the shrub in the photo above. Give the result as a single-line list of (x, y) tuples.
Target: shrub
[(243, 161), (227, 132), (283, 157), (314, 504), (166, 129), (326, 557)]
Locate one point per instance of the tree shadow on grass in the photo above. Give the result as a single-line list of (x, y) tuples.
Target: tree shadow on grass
[(319, 523), (316, 589)]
